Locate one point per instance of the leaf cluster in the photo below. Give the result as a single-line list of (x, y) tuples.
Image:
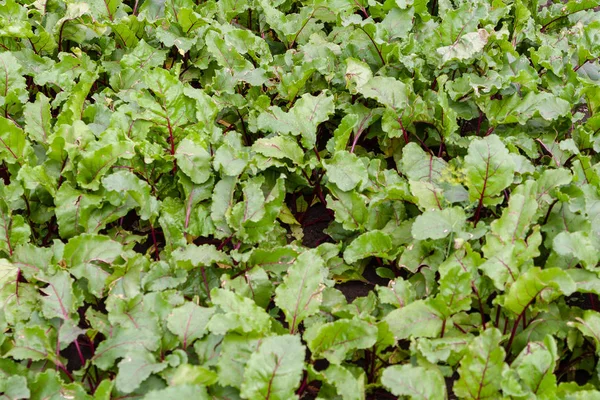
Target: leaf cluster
[(332, 199)]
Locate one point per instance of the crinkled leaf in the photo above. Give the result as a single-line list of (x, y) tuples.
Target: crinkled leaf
[(415, 382), (274, 370), (417, 319), (189, 322), (438, 224), (369, 244), (346, 170), (481, 368), (300, 294), (488, 168), (335, 340), (549, 283), (238, 314)]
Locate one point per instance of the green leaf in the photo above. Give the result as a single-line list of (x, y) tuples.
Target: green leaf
[(515, 220), (418, 319), (465, 47), (50, 385), (369, 244), (388, 91), (194, 160), (447, 349), (123, 341), (398, 293), (273, 372), (189, 322), (300, 294), (489, 168), (234, 354), (38, 119), (193, 375), (577, 245), (60, 300), (517, 109), (347, 385), (438, 224), (12, 86), (32, 343), (358, 73), (481, 368), (127, 187), (547, 283), (531, 373), (13, 143), (280, 147), (349, 208), (193, 256), (16, 23), (96, 163), (135, 368), (90, 257), (15, 387), (179, 392), (589, 325), (165, 167), (301, 120), (14, 230), (346, 170), (74, 210), (334, 340), (238, 314), (416, 382), (254, 218)]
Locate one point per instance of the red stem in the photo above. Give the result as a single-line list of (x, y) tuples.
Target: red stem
[(498, 316), (81, 358), (404, 133), (443, 328), (303, 385), (153, 234), (593, 301), (63, 369), (374, 44), (513, 332)]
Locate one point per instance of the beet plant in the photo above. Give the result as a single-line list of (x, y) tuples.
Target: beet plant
[(285, 199)]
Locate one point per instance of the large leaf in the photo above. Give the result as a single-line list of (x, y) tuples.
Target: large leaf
[(438, 224), (194, 160), (300, 294), (274, 371), (239, 314), (302, 119), (417, 319), (415, 382), (189, 322), (481, 368), (532, 370), (369, 244), (346, 170), (335, 340), (549, 283), (90, 257), (489, 168)]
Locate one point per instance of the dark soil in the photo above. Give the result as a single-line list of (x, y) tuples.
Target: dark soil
[(585, 301), (354, 289), (314, 221)]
